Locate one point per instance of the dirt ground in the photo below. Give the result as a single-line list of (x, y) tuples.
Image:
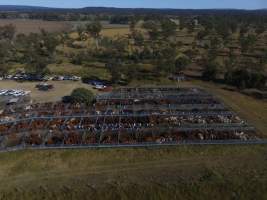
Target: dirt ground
[(61, 88)]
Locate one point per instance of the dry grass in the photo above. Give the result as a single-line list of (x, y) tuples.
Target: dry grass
[(91, 69), (198, 172), (112, 32), (28, 26)]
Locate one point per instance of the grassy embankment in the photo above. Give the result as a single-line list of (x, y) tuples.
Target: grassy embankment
[(186, 172)]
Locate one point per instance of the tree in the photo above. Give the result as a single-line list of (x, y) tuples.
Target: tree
[(152, 28), (190, 26), (247, 42), (80, 30), (233, 26), (36, 64), (138, 38), (133, 23), (181, 63), (94, 30), (3, 70), (260, 28), (222, 29), (165, 59), (168, 28), (5, 54), (79, 58), (182, 23), (80, 95), (202, 34), (38, 51), (63, 38), (210, 71), (49, 43), (243, 29), (7, 32), (264, 57), (245, 77), (115, 69)]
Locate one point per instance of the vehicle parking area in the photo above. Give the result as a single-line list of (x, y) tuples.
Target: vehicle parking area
[(14, 96), (126, 116), (60, 89)]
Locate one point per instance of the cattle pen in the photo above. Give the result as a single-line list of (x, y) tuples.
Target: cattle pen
[(127, 117)]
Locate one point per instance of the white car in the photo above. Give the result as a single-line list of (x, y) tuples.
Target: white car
[(2, 92), (99, 87), (76, 78), (60, 78), (9, 77)]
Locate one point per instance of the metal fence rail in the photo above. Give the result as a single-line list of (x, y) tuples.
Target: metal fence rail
[(140, 145)]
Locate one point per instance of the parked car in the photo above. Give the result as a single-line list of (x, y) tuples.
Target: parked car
[(8, 77), (58, 78), (44, 86), (76, 78), (15, 93), (48, 78), (99, 87)]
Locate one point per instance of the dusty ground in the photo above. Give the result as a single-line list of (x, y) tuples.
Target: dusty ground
[(61, 88)]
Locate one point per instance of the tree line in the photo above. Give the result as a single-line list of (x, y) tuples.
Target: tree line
[(153, 43)]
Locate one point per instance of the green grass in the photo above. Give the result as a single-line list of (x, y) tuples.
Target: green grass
[(186, 172)]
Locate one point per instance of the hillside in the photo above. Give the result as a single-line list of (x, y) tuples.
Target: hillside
[(113, 10), (19, 8)]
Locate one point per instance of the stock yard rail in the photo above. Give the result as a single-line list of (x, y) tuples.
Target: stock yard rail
[(140, 145), (127, 117)]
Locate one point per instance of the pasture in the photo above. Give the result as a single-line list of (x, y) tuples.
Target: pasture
[(27, 26), (34, 26)]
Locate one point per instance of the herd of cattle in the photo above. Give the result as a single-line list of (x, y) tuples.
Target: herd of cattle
[(125, 116)]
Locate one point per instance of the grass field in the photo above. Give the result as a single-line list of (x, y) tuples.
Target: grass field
[(112, 32), (70, 69), (28, 26), (186, 172)]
